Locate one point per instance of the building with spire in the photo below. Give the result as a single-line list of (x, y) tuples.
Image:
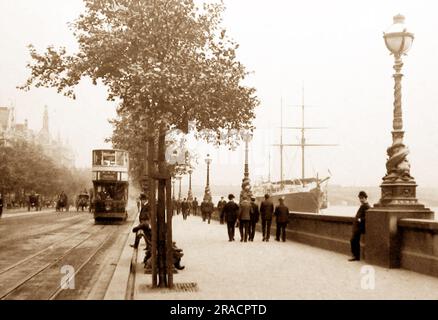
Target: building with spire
[(60, 152)]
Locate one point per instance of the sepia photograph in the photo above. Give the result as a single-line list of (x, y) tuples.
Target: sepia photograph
[(234, 152)]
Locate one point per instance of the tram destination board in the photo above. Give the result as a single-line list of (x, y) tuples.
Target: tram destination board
[(108, 176)]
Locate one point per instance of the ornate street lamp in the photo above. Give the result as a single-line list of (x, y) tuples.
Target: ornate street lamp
[(398, 187), (398, 199), (246, 183), (190, 194), (207, 194)]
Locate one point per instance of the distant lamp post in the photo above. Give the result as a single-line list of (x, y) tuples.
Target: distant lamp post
[(398, 187), (207, 193), (179, 178), (246, 183), (190, 194), (173, 188)]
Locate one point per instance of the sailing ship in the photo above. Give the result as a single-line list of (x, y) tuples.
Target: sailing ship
[(300, 195)]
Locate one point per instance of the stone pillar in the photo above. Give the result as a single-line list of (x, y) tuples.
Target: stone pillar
[(382, 239)]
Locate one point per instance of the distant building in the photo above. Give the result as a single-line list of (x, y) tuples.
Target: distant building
[(60, 152)]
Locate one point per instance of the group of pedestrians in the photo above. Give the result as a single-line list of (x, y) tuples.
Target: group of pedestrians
[(187, 207), (247, 214)]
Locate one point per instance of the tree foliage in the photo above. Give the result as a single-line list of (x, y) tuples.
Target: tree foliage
[(25, 168), (166, 62)]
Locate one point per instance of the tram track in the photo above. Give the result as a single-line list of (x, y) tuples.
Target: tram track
[(82, 265), (7, 293), (62, 224), (50, 247)]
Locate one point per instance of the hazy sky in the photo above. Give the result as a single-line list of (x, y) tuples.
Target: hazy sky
[(334, 47)]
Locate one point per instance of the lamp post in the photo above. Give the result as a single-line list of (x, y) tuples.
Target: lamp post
[(398, 187), (246, 183), (173, 189), (190, 194), (207, 193), (398, 198)]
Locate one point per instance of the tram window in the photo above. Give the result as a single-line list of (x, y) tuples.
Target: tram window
[(111, 192), (120, 158), (97, 161), (109, 159)]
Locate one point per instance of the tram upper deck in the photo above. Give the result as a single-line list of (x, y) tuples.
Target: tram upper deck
[(110, 165)]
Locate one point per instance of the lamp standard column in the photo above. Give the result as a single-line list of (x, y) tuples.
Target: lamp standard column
[(398, 198)]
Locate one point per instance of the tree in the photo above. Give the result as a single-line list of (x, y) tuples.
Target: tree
[(166, 62), (25, 168)]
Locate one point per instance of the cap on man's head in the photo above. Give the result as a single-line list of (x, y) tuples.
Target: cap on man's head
[(230, 196), (252, 199), (281, 199), (363, 194), (266, 196)]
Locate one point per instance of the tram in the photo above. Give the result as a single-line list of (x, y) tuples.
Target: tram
[(110, 184)]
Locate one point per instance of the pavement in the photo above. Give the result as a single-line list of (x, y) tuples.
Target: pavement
[(264, 270)]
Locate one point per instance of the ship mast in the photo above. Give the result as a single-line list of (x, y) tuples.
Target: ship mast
[(281, 145), (269, 174), (303, 139), (302, 144)]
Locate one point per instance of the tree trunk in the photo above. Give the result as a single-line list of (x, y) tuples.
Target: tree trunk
[(161, 218), (169, 255), (153, 207)]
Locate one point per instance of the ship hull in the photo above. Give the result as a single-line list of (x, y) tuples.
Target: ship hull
[(310, 201)]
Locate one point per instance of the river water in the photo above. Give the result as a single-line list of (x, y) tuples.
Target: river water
[(350, 211)]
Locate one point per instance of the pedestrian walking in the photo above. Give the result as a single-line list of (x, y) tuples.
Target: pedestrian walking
[(207, 209), (231, 211), (255, 216), (244, 218), (185, 208), (178, 206), (220, 209), (266, 212), (195, 206), (282, 218), (359, 226)]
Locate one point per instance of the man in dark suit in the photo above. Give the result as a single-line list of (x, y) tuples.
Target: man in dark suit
[(220, 209), (231, 211), (195, 206), (359, 226), (282, 218), (266, 211), (255, 215), (185, 208)]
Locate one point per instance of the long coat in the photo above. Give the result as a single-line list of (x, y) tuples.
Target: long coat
[(231, 211), (266, 209), (281, 214), (207, 207), (245, 211), (255, 213)]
